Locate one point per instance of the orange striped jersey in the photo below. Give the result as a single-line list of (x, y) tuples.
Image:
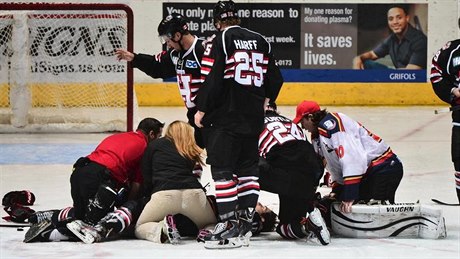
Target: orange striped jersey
[(348, 148)]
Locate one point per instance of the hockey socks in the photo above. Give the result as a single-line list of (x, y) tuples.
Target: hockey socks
[(457, 185), (292, 230)]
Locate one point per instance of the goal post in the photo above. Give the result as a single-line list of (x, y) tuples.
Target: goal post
[(58, 70)]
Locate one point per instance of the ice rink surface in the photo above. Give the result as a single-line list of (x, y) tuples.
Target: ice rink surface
[(42, 163)]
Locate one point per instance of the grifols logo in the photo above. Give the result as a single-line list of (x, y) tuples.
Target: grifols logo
[(68, 40)]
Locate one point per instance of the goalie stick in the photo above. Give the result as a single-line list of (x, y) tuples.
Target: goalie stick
[(444, 203), (449, 109)]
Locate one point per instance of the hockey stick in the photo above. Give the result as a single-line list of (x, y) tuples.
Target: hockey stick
[(444, 203), (449, 109), (14, 224)]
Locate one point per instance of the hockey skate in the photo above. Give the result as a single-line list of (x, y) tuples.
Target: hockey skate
[(314, 223), (225, 235), (40, 216), (245, 227), (85, 232), (202, 233), (39, 232), (170, 230)]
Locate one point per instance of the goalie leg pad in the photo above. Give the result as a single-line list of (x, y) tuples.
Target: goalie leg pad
[(395, 220), (437, 228)]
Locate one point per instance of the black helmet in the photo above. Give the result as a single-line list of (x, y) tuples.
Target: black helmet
[(224, 10), (272, 105), (171, 24)]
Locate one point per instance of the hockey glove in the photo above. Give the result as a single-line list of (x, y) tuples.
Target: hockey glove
[(18, 213), (25, 198)]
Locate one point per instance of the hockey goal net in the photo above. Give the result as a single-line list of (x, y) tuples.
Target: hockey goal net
[(58, 71)]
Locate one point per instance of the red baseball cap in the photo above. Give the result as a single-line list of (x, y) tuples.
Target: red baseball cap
[(305, 108)]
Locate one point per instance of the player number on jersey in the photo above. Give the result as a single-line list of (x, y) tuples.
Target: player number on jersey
[(284, 134), (248, 68), (185, 91)]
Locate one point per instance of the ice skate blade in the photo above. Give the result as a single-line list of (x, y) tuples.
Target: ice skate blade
[(230, 243), (76, 228)]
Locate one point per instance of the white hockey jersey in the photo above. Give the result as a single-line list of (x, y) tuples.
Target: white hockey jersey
[(348, 149)]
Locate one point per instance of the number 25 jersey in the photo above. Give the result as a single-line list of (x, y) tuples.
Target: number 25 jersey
[(239, 72)]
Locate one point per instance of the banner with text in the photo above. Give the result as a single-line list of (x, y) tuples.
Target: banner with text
[(64, 47), (318, 42)]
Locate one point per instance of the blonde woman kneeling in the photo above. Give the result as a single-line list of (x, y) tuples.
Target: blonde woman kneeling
[(167, 169)]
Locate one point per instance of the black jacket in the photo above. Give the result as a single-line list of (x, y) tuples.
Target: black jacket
[(163, 168)]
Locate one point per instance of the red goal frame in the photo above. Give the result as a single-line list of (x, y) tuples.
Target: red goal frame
[(98, 6)]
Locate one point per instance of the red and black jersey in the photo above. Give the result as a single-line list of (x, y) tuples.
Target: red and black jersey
[(278, 130), (122, 153), (445, 71), (186, 65), (283, 144), (239, 72)]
